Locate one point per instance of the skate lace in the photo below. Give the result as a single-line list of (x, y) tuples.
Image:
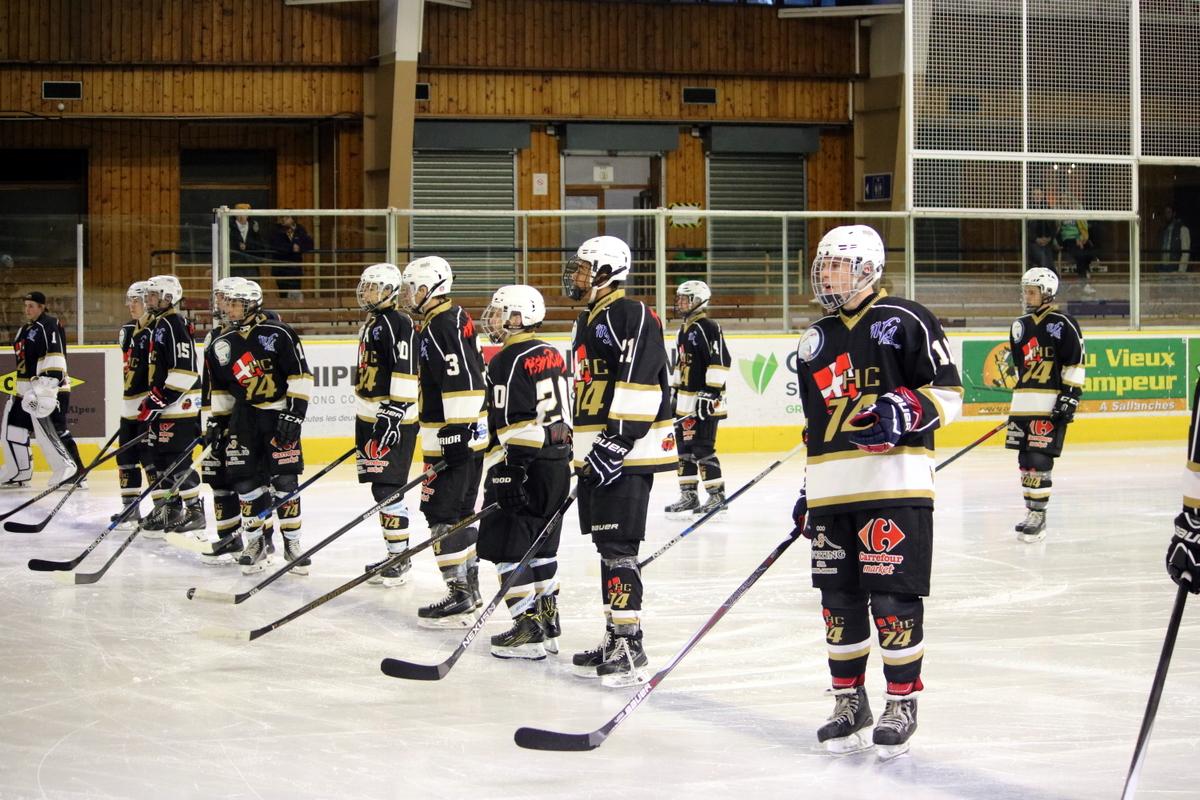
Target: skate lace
[(451, 597), (897, 716), (603, 647), (1034, 518), (845, 707)]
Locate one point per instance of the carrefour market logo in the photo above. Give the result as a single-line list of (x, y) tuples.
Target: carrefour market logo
[(758, 373)]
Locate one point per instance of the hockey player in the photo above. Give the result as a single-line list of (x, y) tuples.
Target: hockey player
[(1047, 352), (702, 366), (624, 434), (385, 427), (261, 385), (171, 407), (451, 383), (134, 341), (529, 460), (1183, 553), (876, 380), (40, 404)]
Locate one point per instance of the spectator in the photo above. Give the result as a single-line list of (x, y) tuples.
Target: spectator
[(245, 245), (1039, 236), (1176, 243), (289, 243), (1073, 238)]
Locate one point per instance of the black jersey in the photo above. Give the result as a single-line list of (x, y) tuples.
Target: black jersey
[(261, 364), (387, 368), (701, 364), (134, 341), (1191, 475), (1047, 351), (41, 349), (451, 376), (172, 355), (846, 361), (621, 384), (526, 393)]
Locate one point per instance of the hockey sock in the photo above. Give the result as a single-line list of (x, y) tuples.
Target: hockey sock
[(393, 518), (1036, 484), (687, 471), (130, 478), (227, 511), (898, 621), (623, 591), (847, 635), (455, 552), (253, 502), (288, 513), (545, 575), (521, 596), (710, 473)]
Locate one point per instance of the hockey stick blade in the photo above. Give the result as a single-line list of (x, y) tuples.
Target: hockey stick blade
[(69, 578), (194, 545), (93, 577), (216, 597), (21, 527), (395, 668), (42, 565), (229, 634), (77, 477), (538, 739)]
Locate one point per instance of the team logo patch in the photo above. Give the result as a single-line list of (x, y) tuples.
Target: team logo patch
[(810, 344), (268, 342), (1031, 352), (1041, 433), (884, 332), (160, 334), (880, 537), (1055, 330), (246, 368), (837, 379), (223, 351), (1018, 330), (603, 335), (668, 442)]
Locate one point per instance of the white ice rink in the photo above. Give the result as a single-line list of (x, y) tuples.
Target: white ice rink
[(1038, 664)]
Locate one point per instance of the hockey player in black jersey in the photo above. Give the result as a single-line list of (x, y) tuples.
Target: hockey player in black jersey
[(1183, 553), (623, 434), (529, 467), (453, 429), (876, 379), (1047, 352), (261, 386), (385, 427), (171, 407), (134, 341), (39, 407), (701, 368)]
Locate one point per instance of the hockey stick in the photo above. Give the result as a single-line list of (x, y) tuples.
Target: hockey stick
[(1156, 689), (972, 445), (74, 480), (225, 597), (709, 515), (538, 739), (214, 632), (41, 565), (398, 668), (74, 578), (325, 471), (51, 489)]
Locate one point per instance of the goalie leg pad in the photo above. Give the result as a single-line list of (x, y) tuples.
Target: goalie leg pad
[(18, 466)]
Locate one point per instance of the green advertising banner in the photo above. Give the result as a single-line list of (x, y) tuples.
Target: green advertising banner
[(1130, 374), (1193, 369)]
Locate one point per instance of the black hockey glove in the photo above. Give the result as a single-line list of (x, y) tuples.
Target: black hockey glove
[(708, 404), (882, 424), (508, 482), (1064, 408), (287, 429), (800, 516), (387, 423), (455, 441), (1183, 554), (152, 405), (215, 432), (603, 464)]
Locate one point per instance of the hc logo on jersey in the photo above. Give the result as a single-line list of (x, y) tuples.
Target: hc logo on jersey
[(837, 379), (1030, 351), (583, 373), (246, 368)]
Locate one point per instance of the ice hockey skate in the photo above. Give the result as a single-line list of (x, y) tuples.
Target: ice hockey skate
[(525, 639), (15, 483), (130, 522), (1033, 528), (226, 554), (714, 502), (682, 508), (190, 519), (292, 552), (395, 575), (547, 609), (626, 661), (896, 726), (156, 523), (585, 662), (254, 558), (846, 730), (456, 609)]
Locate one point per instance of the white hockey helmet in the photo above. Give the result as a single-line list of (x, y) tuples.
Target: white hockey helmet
[(167, 290), (382, 281), (692, 297), (605, 258), (221, 295), (431, 273), (1044, 280), (136, 294), (849, 259), (246, 292), (523, 301)]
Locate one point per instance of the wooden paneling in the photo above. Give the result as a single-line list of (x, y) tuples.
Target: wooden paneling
[(686, 184), (545, 235), (532, 95), (187, 32), (549, 35)]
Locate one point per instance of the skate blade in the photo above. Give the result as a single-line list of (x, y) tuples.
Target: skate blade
[(147, 534), (623, 680), (887, 752), (529, 652), (1032, 538), (392, 583), (444, 623), (217, 561), (299, 571), (551, 646), (254, 569), (848, 745), (680, 515), (584, 671)]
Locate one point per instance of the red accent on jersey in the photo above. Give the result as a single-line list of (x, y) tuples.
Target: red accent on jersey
[(582, 373), (881, 535), (246, 368), (546, 360), (1029, 352), (837, 379), (468, 328), (1041, 427)]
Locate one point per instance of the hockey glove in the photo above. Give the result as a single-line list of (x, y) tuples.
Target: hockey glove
[(508, 482), (603, 464), (215, 431), (1064, 408), (388, 423), (1183, 554), (152, 405), (287, 429), (39, 406), (882, 424), (800, 516), (455, 441), (707, 405)]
